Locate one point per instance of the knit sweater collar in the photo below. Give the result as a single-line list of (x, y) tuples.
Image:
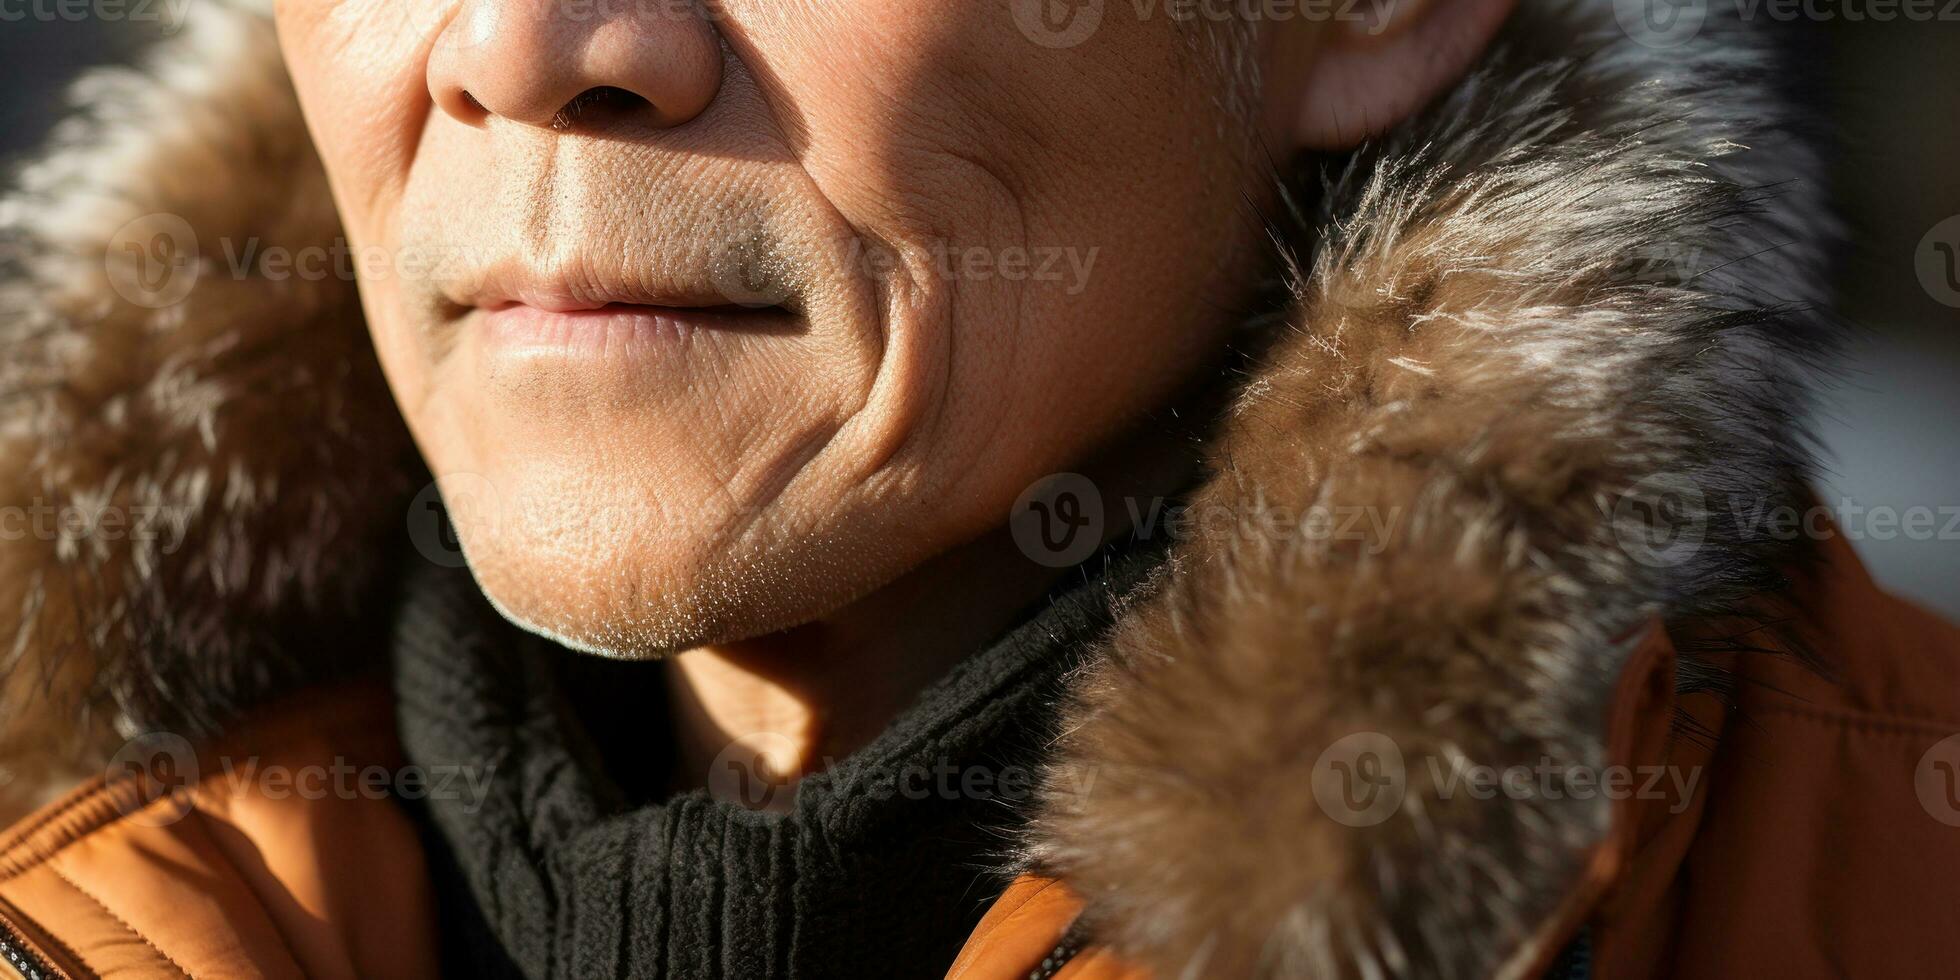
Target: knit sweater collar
[(879, 866)]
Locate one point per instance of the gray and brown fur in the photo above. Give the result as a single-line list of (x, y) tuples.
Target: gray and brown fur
[(1587, 277)]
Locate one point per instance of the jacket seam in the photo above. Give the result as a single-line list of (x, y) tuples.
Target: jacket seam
[(31, 853), (1863, 720), (147, 941), (24, 835)]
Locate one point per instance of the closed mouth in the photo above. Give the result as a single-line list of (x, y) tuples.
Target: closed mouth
[(623, 328), (585, 308), (612, 309)]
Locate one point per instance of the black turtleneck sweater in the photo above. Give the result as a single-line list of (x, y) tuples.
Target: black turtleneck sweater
[(880, 867)]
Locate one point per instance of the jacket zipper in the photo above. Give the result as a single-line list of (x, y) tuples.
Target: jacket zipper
[(15, 952), (1575, 962), (1064, 953)]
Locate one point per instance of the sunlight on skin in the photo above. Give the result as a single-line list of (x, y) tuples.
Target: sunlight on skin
[(705, 325)]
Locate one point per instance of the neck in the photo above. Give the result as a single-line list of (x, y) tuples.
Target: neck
[(787, 705)]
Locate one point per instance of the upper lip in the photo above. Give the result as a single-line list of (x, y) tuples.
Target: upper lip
[(577, 286)]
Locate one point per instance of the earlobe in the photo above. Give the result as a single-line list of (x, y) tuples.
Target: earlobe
[(1358, 77)]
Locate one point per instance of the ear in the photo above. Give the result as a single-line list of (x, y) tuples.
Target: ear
[(1337, 81)]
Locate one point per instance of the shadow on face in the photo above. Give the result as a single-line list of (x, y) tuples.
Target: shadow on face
[(712, 318)]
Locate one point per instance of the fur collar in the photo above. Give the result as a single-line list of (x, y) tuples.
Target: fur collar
[(1546, 339), (1581, 287)]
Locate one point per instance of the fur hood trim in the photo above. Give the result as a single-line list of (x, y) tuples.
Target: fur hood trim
[(1549, 340), (1541, 339), (203, 471)]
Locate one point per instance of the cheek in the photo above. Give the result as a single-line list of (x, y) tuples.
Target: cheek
[(1042, 200), (1068, 212), (360, 69)]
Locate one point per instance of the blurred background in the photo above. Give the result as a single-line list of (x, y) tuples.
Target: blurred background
[(1888, 91)]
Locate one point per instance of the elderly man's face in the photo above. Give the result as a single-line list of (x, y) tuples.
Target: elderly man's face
[(719, 321)]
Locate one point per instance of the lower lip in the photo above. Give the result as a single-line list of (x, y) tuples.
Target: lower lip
[(616, 330)]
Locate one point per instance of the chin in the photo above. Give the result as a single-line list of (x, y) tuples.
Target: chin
[(599, 611), (626, 603)]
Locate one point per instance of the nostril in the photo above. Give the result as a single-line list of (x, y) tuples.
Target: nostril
[(626, 72), (599, 108)]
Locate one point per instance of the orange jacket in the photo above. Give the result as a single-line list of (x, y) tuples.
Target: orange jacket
[(1821, 837), (1447, 485)]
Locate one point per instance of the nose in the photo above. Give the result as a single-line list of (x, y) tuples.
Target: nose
[(575, 66)]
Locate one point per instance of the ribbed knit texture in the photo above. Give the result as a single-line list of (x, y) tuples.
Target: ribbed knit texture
[(553, 876)]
